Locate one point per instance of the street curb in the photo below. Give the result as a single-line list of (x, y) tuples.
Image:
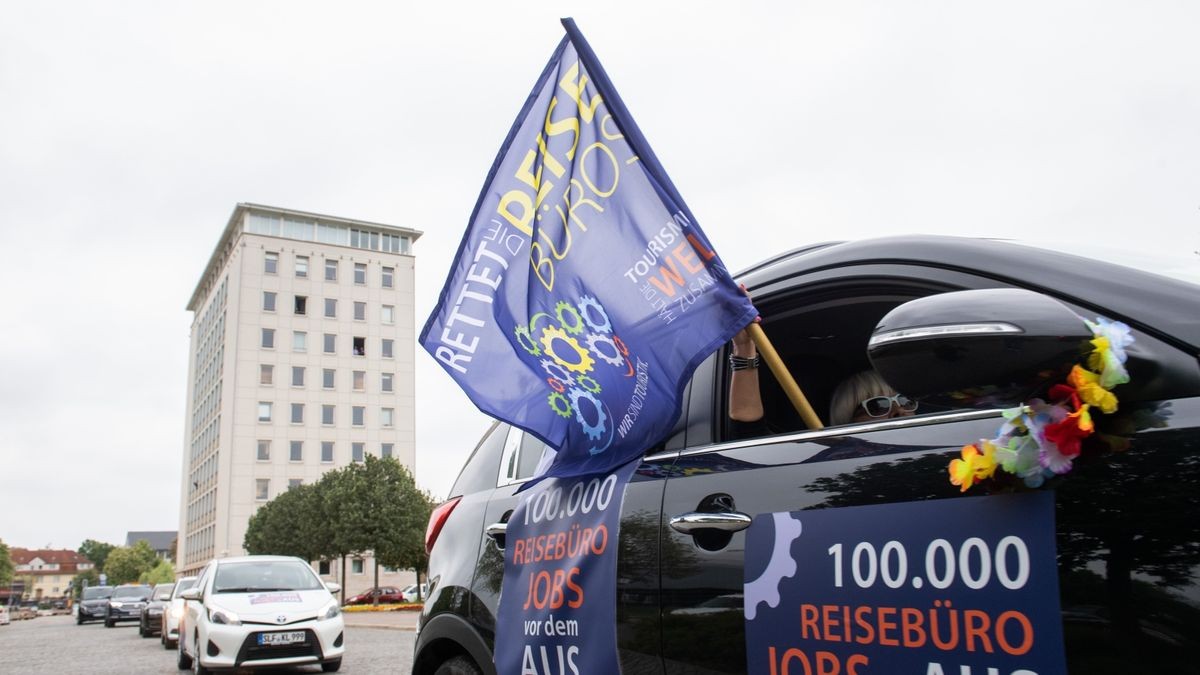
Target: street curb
[(408, 629)]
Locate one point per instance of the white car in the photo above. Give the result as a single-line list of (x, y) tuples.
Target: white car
[(173, 613), (410, 593), (260, 611)]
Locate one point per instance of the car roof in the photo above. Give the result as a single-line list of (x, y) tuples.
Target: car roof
[(257, 558), (1162, 306)]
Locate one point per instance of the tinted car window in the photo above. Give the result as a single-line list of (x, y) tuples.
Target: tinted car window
[(134, 592), (480, 471), (247, 577), (97, 593)]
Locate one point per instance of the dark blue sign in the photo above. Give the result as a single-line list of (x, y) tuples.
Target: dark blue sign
[(560, 566), (584, 293), (947, 587)]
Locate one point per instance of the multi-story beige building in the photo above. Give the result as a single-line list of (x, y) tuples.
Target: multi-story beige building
[(301, 361), (48, 571)]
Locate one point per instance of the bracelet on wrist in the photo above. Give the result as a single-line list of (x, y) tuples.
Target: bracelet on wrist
[(743, 363)]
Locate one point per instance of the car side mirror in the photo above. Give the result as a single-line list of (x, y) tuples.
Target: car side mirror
[(191, 594), (987, 347), (333, 586)]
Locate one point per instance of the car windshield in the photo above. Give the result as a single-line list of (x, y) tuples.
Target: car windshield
[(182, 585), (132, 593), (163, 591), (97, 593), (259, 576)]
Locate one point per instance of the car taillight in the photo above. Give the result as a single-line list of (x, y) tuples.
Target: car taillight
[(437, 519)]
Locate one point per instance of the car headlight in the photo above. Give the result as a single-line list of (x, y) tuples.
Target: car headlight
[(223, 617), (330, 611), (176, 612), (116, 605)]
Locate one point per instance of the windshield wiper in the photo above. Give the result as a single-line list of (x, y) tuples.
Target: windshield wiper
[(234, 590)]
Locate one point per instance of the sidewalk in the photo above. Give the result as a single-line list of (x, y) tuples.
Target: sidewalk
[(387, 620)]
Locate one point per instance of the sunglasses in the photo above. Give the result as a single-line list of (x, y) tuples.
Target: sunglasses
[(878, 406)]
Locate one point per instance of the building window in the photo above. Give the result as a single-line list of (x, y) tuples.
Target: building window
[(388, 315), (297, 413), (330, 343), (302, 266), (327, 415), (388, 275), (356, 451), (295, 482), (386, 416), (264, 451), (268, 301), (327, 377), (323, 568), (326, 451), (386, 349), (299, 341), (385, 381), (385, 450), (360, 311), (264, 411), (270, 262), (357, 566), (301, 305), (360, 274), (262, 489), (330, 270), (268, 338), (297, 376), (360, 380), (296, 451), (266, 374), (358, 416), (330, 308), (360, 346)]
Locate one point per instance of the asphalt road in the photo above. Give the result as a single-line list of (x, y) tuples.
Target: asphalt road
[(54, 644)]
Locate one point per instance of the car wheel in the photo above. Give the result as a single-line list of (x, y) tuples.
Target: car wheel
[(331, 666), (79, 621), (109, 623), (459, 665), (183, 661)]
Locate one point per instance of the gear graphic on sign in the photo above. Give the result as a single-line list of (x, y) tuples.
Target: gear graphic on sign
[(611, 354), (558, 372), (766, 587), (593, 313), (565, 310), (587, 384), (593, 431), (559, 404), (552, 336), (526, 340)]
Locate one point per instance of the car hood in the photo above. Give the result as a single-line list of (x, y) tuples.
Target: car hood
[(268, 607)]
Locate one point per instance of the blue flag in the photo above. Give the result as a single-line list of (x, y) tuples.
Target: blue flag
[(583, 294)]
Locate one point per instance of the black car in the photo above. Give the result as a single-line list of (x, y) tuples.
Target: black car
[(126, 604), (93, 605), (1127, 524), (152, 614)]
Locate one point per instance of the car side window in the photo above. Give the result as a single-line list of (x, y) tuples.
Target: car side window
[(479, 472), (519, 462)]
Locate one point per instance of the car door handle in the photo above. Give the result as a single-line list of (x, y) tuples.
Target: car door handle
[(690, 523), (496, 531)]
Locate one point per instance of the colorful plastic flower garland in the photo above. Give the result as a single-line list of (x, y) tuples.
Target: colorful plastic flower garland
[(1041, 439)]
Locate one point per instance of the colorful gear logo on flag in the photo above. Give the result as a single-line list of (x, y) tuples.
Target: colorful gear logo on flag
[(565, 309), (593, 342), (781, 565), (559, 404), (554, 335), (587, 383), (593, 431), (526, 341), (603, 325), (557, 372)]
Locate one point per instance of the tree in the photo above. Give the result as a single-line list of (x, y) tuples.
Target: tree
[(7, 568), (290, 524), (95, 551), (399, 514), (126, 564), (92, 577), (162, 573)]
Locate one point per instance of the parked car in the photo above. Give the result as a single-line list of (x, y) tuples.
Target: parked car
[(384, 594), (173, 615), (93, 605), (411, 595), (151, 620), (126, 604), (1126, 522), (260, 611), (5, 619)]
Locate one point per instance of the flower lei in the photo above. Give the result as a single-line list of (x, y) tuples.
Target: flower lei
[(1041, 439)]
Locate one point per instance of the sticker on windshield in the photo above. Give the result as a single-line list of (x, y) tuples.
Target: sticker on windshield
[(924, 588), (262, 598)]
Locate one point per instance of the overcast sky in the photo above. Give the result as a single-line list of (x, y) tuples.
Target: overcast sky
[(128, 132)]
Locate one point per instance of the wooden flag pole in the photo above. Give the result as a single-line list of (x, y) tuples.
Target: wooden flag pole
[(781, 373)]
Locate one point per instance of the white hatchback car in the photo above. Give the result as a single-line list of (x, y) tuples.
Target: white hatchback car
[(173, 613), (260, 611)]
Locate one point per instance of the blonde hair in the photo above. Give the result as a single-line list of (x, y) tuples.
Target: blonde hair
[(854, 390)]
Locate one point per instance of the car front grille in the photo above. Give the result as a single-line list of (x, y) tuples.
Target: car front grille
[(252, 651)]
